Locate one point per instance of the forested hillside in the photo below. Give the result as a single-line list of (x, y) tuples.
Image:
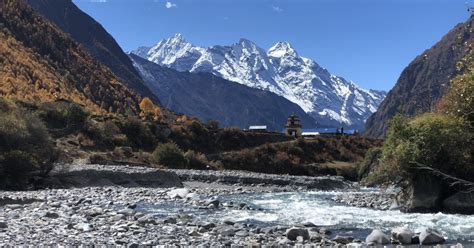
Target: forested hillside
[(94, 38), (41, 63)]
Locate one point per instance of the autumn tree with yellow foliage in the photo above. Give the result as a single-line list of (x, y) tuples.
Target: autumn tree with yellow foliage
[(149, 111)]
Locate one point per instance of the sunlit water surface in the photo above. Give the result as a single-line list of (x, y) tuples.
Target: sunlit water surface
[(317, 207)]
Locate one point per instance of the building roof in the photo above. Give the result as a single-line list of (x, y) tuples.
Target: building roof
[(257, 127), (327, 130), (309, 133)]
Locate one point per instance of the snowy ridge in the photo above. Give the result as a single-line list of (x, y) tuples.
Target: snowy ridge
[(329, 99)]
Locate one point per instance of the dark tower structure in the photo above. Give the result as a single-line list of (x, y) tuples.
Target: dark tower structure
[(293, 126)]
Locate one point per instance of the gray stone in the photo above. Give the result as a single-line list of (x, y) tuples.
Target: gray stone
[(3, 225), (300, 239), (212, 203), (178, 193), (402, 235), (266, 230), (294, 232), (377, 237), (228, 222), (51, 215), (170, 221), (94, 212), (308, 224), (127, 212), (462, 203), (86, 227), (194, 233), (227, 232), (147, 219), (343, 239), (14, 206), (431, 237), (208, 226)]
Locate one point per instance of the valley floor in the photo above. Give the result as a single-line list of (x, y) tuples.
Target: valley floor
[(210, 209)]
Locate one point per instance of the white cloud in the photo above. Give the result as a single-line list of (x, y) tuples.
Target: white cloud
[(277, 8), (170, 5), (98, 1)]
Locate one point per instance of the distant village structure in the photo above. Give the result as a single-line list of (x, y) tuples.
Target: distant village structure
[(258, 128), (293, 126), (294, 129)]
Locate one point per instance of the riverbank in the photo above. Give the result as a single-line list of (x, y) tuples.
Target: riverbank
[(218, 209)]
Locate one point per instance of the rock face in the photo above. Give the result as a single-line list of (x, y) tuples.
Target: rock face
[(424, 194), (429, 194), (207, 96), (425, 80), (377, 237), (98, 175), (460, 203), (330, 99), (431, 237), (89, 33)]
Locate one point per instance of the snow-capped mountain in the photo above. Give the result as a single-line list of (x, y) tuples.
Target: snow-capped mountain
[(329, 99)]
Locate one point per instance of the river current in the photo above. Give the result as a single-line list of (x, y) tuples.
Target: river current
[(294, 208)]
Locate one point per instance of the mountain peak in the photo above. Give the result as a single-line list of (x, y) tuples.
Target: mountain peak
[(247, 43), (281, 49), (177, 38), (281, 70)]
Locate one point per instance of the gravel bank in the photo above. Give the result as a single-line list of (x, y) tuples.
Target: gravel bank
[(117, 215), (114, 216), (251, 178), (87, 175)]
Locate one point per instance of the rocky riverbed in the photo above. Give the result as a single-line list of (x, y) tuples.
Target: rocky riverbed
[(203, 212), (114, 216)]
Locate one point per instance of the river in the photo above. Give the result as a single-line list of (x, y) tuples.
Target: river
[(292, 208)]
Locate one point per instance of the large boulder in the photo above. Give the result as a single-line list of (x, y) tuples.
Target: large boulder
[(462, 203), (377, 237), (423, 195), (402, 235), (294, 232), (431, 237)]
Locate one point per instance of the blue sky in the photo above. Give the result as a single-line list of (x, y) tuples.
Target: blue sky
[(367, 41)]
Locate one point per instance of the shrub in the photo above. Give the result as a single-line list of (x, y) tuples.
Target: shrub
[(63, 115), (369, 163), (432, 140), (138, 134), (459, 100), (104, 133), (196, 160), (231, 138), (295, 148), (212, 124), (25, 147), (75, 115), (169, 155)]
